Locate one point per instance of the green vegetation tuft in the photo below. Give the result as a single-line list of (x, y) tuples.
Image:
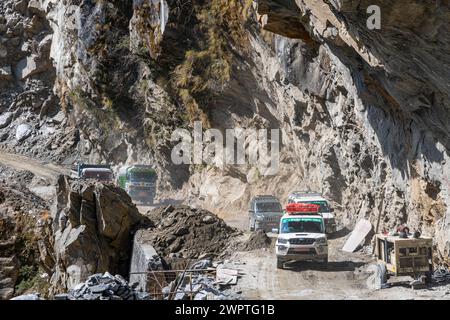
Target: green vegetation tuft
[(106, 116)]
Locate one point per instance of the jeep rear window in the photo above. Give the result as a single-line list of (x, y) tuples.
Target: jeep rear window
[(294, 225), (268, 207)]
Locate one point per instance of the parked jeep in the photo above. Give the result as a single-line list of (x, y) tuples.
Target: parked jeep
[(265, 213)]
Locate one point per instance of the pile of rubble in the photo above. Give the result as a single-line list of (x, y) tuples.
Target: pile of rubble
[(441, 276), (187, 232), (200, 287), (104, 287), (197, 286), (258, 240)]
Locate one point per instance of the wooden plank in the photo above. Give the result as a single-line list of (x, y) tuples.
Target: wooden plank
[(358, 235)]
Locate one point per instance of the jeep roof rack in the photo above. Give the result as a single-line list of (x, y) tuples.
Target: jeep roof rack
[(305, 193), (303, 209)]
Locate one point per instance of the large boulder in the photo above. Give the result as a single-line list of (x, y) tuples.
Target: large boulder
[(23, 131), (5, 119), (93, 228), (32, 65)]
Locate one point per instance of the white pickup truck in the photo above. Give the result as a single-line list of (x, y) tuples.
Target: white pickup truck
[(301, 237)]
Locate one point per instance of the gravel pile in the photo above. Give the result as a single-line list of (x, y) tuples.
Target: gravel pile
[(257, 240), (104, 287)]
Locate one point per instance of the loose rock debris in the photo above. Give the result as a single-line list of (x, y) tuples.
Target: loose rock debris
[(258, 240), (441, 275), (197, 286), (104, 287), (188, 232)]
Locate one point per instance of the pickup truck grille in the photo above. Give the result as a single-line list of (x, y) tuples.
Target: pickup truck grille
[(307, 251), (302, 241)]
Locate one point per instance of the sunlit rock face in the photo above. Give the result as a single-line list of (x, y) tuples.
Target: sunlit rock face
[(385, 91), (363, 114), (148, 24)]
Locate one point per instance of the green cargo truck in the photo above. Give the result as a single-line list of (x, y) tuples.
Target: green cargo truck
[(139, 181)]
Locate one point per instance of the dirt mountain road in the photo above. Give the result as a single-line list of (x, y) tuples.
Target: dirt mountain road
[(344, 277), (47, 171)]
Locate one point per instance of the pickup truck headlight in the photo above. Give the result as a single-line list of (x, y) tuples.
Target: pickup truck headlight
[(282, 241), (321, 241), (259, 217)]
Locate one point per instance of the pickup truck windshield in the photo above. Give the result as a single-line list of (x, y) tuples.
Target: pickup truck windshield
[(294, 225), (268, 207)]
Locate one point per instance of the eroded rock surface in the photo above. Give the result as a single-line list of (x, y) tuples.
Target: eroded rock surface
[(363, 113), (25, 226), (93, 231)]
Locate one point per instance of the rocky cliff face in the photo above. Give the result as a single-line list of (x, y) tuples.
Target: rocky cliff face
[(384, 95), (363, 113), (31, 119), (88, 230)]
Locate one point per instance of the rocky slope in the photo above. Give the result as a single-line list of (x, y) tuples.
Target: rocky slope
[(31, 120), (93, 227), (50, 249), (25, 225), (384, 96), (363, 113)]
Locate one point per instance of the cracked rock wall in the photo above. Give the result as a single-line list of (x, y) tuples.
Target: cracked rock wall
[(364, 114)]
